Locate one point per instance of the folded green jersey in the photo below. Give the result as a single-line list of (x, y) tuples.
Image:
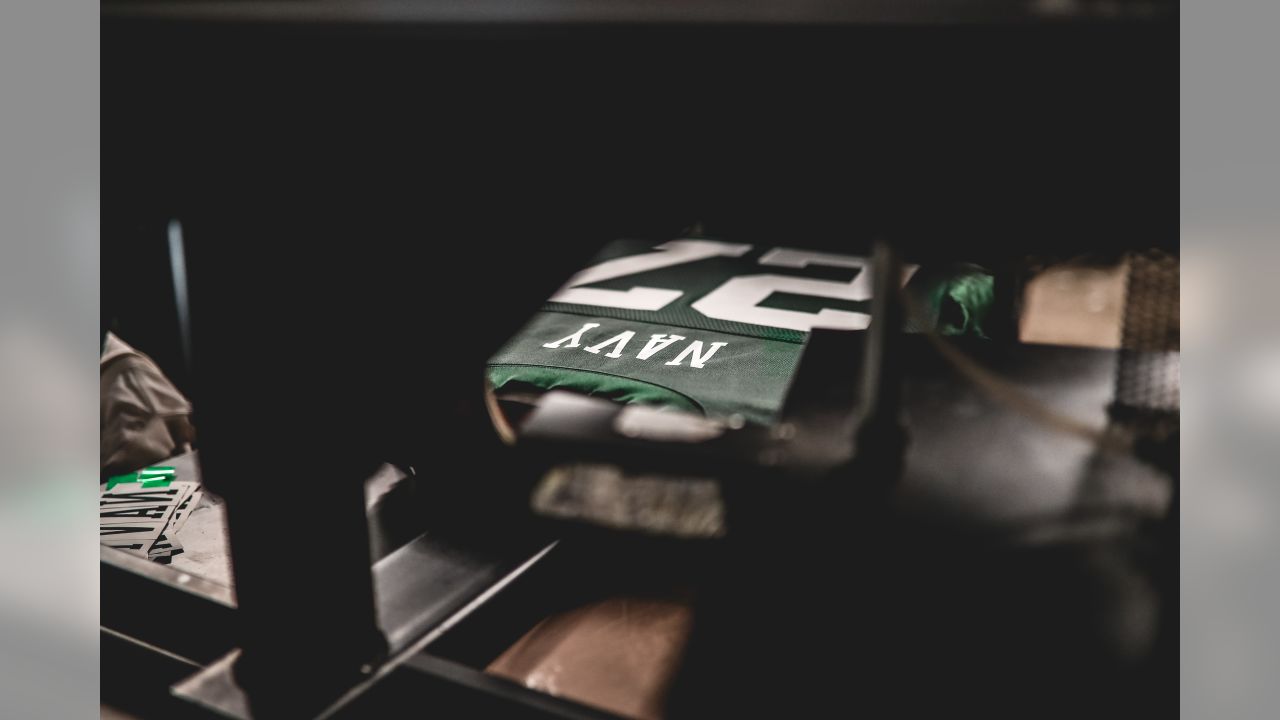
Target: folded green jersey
[(711, 327)]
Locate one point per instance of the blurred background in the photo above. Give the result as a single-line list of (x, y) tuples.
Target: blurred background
[(48, 358)]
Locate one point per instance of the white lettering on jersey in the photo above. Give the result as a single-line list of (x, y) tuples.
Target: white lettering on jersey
[(657, 343), (573, 339), (621, 339), (694, 349)]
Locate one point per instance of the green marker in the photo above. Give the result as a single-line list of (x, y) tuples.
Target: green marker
[(150, 477)]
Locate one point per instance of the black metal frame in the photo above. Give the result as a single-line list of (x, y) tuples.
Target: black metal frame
[(163, 627)]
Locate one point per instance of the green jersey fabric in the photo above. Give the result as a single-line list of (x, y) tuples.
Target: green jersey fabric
[(709, 326)]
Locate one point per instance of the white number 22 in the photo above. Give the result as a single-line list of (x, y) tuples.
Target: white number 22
[(676, 252), (737, 299)]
